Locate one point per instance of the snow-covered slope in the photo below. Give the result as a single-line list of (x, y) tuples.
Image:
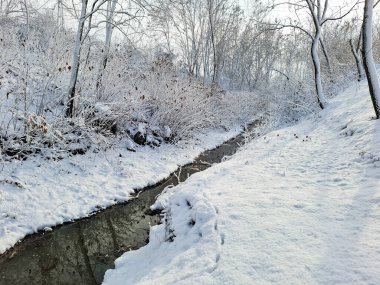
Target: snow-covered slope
[(39, 193), (298, 206)]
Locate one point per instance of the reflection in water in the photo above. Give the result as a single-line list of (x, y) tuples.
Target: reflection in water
[(81, 252)]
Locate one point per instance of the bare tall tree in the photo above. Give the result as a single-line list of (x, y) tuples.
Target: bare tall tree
[(318, 11), (369, 64), (76, 59), (111, 6), (358, 60), (81, 34)]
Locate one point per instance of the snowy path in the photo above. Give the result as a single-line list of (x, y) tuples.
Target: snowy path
[(299, 206)]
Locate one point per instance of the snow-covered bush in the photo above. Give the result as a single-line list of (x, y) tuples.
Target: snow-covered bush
[(241, 107), (178, 103), (153, 93), (32, 69)]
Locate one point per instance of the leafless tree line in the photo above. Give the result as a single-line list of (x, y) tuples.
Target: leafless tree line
[(221, 45)]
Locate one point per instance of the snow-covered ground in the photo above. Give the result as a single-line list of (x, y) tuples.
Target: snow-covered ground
[(298, 206), (37, 193)]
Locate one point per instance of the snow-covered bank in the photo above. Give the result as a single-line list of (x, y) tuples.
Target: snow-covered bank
[(37, 193), (298, 206)]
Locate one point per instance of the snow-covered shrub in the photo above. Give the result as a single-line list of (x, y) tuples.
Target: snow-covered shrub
[(241, 107), (32, 68), (153, 93), (178, 103)]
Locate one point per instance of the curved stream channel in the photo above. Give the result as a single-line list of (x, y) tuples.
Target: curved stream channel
[(80, 252)]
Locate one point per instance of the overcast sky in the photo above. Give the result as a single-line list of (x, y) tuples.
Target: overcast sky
[(245, 4), (281, 11)]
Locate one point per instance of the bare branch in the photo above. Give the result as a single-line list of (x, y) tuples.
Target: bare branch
[(282, 26), (341, 16)]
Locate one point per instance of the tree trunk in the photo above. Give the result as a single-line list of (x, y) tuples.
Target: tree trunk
[(369, 64), (60, 17), (215, 60), (76, 60), (325, 53), (317, 70), (111, 6), (358, 62)]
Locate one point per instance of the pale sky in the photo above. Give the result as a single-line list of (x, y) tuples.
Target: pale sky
[(280, 11)]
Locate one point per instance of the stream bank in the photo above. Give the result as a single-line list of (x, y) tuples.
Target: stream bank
[(81, 252)]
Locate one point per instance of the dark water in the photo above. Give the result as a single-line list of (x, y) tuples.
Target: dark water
[(81, 252)]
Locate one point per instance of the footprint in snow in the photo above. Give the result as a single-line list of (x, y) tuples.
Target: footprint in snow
[(299, 206), (337, 179)]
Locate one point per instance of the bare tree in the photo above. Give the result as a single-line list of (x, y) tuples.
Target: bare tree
[(111, 6), (81, 34), (116, 17), (358, 60), (60, 16), (369, 64), (318, 11), (223, 18), (76, 59)]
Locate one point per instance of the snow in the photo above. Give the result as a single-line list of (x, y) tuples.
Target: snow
[(37, 194), (102, 109), (298, 206)]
